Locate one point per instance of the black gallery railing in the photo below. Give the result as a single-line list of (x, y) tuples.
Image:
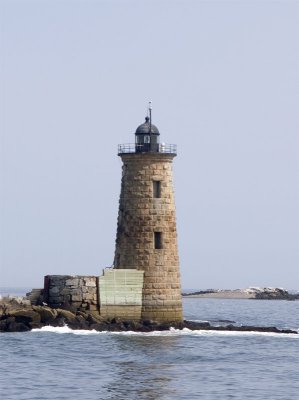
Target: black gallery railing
[(147, 148)]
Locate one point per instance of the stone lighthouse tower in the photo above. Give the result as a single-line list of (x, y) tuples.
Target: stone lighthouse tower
[(146, 237)]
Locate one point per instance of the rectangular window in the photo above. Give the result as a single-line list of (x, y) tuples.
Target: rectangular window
[(158, 240), (157, 189)]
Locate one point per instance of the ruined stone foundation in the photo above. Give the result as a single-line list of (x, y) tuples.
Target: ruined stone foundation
[(71, 292), (147, 235)]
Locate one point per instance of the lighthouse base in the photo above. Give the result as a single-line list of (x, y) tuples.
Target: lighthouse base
[(161, 313)]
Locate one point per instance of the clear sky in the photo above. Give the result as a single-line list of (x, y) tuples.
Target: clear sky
[(223, 77)]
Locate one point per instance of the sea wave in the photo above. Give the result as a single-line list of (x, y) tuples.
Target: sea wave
[(177, 332)]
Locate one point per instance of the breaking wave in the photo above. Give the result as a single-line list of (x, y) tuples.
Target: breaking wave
[(172, 332)]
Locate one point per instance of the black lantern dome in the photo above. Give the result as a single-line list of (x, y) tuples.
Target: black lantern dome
[(147, 128), (147, 137)]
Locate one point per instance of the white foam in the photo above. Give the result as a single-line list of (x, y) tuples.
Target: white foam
[(171, 332), (64, 329)]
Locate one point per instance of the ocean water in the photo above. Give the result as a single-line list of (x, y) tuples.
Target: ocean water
[(14, 291), (58, 363)]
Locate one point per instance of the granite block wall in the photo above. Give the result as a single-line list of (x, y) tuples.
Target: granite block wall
[(72, 292)]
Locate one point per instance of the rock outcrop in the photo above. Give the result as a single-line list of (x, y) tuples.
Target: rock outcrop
[(249, 293), (27, 318)]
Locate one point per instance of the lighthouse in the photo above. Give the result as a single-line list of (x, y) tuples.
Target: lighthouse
[(146, 238)]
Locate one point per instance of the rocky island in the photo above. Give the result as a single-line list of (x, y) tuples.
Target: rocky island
[(19, 315), (256, 293)]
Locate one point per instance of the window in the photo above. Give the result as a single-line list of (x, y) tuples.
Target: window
[(158, 240), (147, 139), (156, 189)]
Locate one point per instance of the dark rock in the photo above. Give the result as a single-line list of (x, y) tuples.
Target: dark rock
[(100, 327), (14, 326), (80, 323), (9, 319), (24, 319), (148, 322), (58, 322), (83, 314), (3, 325), (68, 316), (208, 291), (192, 325), (145, 329), (94, 319), (223, 321), (114, 328), (132, 326), (287, 331), (178, 325), (47, 314), (25, 316), (116, 320), (116, 325), (164, 326), (278, 294), (36, 325)]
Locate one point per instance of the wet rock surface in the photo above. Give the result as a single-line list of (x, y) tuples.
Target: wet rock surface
[(30, 317)]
